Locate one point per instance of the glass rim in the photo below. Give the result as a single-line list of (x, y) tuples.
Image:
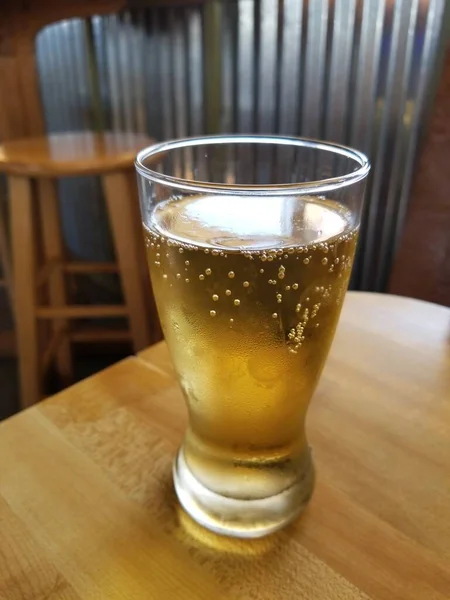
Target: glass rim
[(278, 189)]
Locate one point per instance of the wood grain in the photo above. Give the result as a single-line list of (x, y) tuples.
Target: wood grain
[(87, 508)]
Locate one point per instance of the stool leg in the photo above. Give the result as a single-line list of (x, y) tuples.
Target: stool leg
[(155, 327), (128, 245), (53, 247), (5, 257), (24, 270)]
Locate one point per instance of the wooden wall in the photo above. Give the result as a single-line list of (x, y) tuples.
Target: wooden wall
[(20, 21)]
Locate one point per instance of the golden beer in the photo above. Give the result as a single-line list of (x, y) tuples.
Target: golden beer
[(249, 318), (250, 242)]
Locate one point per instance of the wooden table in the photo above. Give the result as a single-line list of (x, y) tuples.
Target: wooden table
[(87, 508)]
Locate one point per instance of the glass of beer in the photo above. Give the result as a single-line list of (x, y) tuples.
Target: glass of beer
[(250, 243)]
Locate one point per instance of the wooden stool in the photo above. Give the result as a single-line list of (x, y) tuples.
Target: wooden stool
[(32, 167), (5, 261)]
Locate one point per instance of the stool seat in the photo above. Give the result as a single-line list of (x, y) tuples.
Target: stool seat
[(71, 154)]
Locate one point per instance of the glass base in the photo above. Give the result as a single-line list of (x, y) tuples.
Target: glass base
[(238, 517)]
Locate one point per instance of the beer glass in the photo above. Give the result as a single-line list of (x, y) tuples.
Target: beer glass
[(250, 243)]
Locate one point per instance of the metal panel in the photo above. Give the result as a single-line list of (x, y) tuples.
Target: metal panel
[(267, 67), (193, 66), (395, 38), (289, 66), (363, 116), (229, 55), (315, 68), (340, 62), (352, 71), (246, 67), (400, 136), (151, 74)]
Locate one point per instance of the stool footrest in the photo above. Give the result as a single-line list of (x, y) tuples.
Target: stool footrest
[(74, 267), (86, 334), (90, 267), (81, 312), (93, 335)]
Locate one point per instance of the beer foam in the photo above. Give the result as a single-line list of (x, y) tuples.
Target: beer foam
[(249, 223)]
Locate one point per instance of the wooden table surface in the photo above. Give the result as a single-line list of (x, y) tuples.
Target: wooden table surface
[(87, 508)]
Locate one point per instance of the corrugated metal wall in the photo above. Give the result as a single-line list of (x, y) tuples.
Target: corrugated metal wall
[(358, 72)]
